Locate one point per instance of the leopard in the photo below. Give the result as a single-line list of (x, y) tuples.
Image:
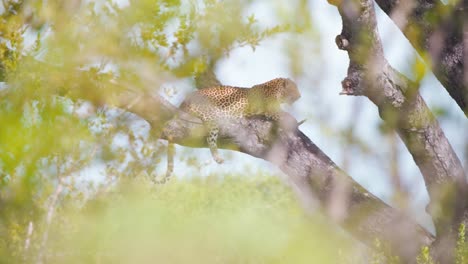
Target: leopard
[(222, 102)]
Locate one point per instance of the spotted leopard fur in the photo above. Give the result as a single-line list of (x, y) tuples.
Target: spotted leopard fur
[(218, 103)]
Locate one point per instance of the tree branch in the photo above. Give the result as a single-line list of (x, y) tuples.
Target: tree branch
[(311, 173), (401, 106), (437, 30)]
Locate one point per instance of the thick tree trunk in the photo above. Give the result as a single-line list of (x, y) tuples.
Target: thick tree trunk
[(436, 31), (403, 109)]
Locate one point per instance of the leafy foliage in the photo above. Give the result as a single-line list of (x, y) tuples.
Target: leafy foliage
[(202, 221), (58, 58), (75, 187), (425, 256)]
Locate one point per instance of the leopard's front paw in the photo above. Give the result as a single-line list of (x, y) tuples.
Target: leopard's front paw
[(218, 159)]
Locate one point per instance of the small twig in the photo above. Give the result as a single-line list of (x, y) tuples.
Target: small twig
[(50, 214), (401, 195), (301, 122), (134, 102), (27, 242)]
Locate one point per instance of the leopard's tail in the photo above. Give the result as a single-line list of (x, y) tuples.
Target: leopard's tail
[(170, 163)]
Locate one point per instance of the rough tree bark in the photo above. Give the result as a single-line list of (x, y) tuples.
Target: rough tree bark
[(403, 109), (436, 31)]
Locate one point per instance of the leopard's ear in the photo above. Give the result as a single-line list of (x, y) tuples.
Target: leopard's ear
[(273, 83), (290, 83)]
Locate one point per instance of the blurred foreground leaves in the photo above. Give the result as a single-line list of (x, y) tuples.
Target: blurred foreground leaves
[(234, 220), (58, 55)]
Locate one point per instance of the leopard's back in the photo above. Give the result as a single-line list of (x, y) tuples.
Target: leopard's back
[(221, 102), (217, 102)]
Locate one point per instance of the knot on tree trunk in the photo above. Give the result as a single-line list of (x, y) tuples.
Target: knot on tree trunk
[(341, 42)]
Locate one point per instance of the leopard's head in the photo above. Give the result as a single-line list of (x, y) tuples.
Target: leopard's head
[(290, 92), (282, 90)]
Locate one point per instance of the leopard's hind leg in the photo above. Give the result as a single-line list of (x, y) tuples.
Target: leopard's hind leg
[(213, 131)]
